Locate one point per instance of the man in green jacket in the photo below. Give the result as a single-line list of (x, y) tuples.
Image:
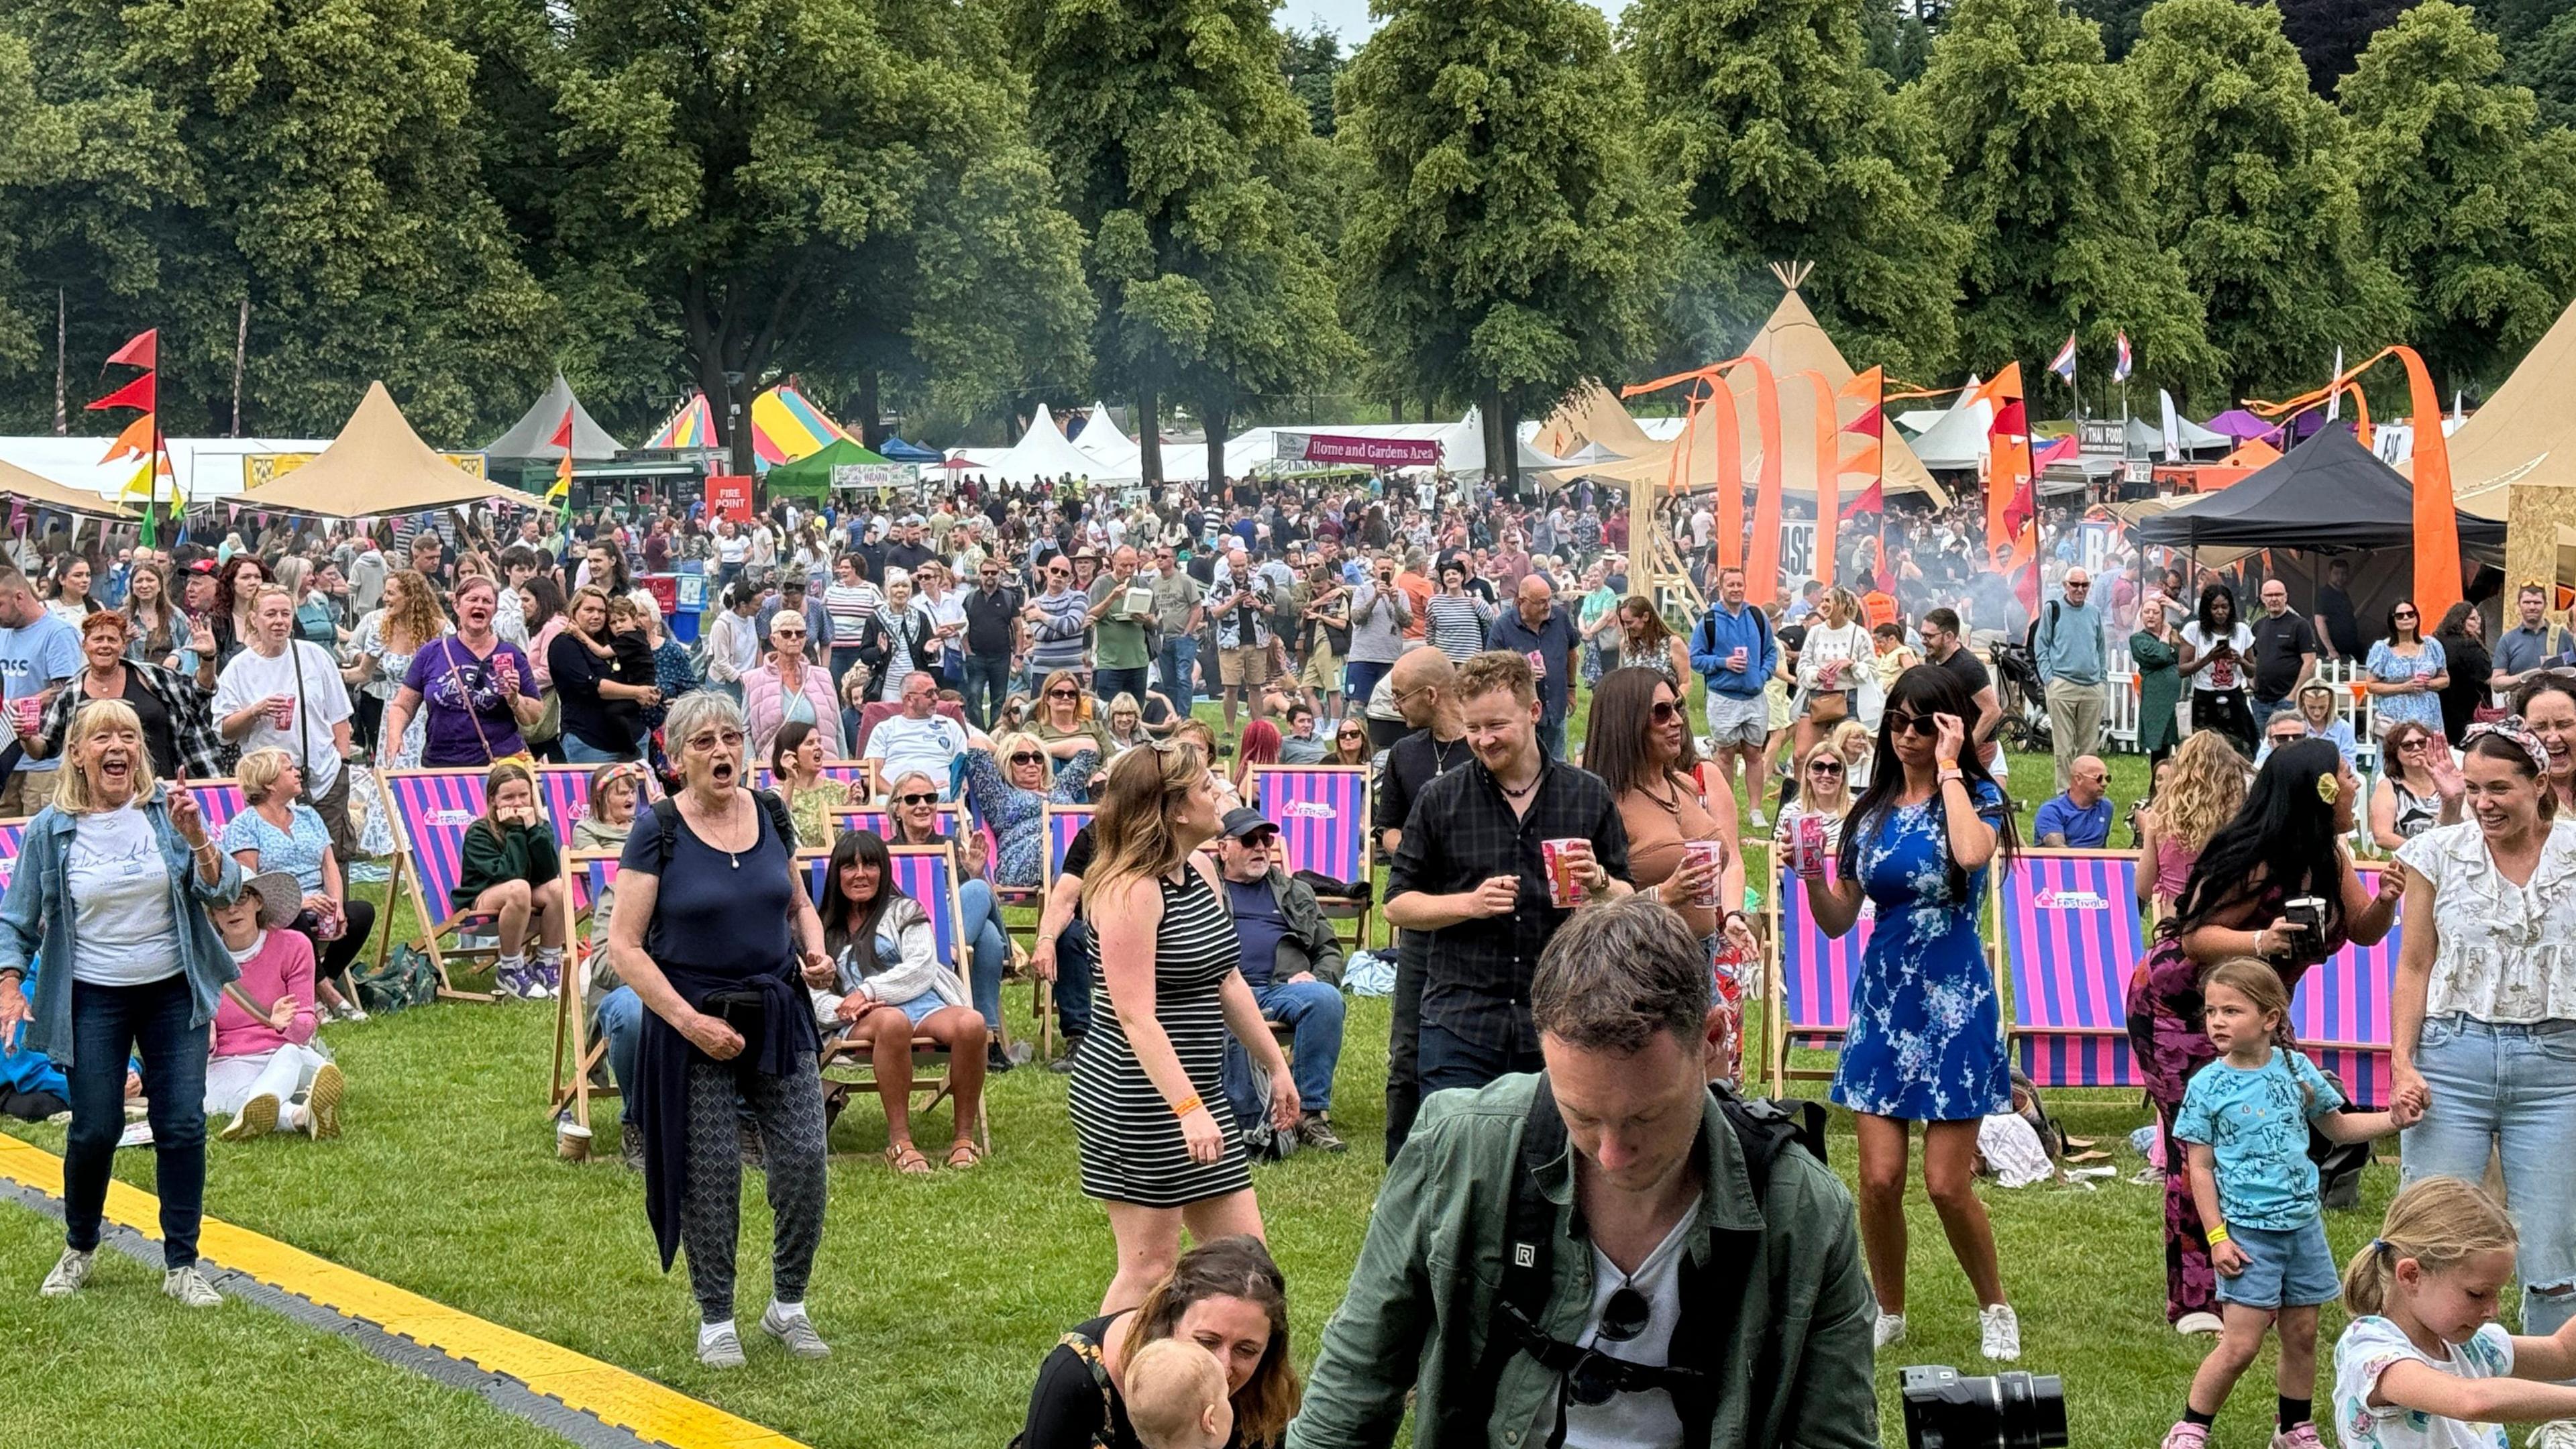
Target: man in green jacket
[(1733, 1321)]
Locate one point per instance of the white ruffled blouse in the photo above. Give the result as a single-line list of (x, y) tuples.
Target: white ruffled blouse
[(2507, 953)]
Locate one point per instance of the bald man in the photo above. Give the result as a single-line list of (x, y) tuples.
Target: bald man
[(1537, 630), (1424, 685), (2079, 819)]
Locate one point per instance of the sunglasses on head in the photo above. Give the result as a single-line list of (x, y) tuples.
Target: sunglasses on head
[(917, 799)]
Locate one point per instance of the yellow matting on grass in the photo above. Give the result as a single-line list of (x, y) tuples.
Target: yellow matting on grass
[(605, 1391)]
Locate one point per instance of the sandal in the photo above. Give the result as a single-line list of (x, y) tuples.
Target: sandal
[(905, 1158), (964, 1154)]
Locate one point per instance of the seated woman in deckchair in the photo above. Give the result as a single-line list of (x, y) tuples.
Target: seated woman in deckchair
[(509, 869)]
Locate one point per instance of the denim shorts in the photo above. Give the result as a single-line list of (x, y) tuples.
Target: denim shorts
[(2287, 1269)]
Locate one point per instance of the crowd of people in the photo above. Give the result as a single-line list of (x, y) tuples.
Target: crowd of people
[(1573, 933)]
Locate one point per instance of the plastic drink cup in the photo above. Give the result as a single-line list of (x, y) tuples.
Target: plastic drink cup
[(1737, 657), (1807, 849), (1568, 884), (23, 714), (281, 712), (1714, 853)]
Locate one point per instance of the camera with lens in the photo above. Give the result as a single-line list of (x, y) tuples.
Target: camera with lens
[(1944, 1410)]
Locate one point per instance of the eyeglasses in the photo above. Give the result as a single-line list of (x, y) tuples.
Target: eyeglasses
[(729, 739), (1350, 734), (786, 633), (1027, 757), (1911, 724), (918, 799), (2070, 588)]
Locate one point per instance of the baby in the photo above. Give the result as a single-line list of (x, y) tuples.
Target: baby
[(1176, 1397)]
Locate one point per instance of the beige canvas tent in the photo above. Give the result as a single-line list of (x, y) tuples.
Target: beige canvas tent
[(377, 466), (35, 488), (1792, 342), (2515, 459)]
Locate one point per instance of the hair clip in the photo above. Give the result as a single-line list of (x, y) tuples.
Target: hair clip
[(2329, 788)]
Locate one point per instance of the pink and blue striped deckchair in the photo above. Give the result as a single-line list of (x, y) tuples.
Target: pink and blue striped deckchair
[(1322, 812), (928, 874), (2071, 936), (13, 835), (848, 772), (876, 818), (1063, 823), (432, 809), (219, 801), (1812, 976), (2340, 1012)]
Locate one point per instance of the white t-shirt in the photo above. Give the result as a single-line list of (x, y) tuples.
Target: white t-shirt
[(1635, 1421), (732, 550), (2369, 1346), (123, 931), (324, 702), (2226, 673), (927, 745)]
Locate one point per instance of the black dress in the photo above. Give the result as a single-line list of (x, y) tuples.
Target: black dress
[(2470, 664)]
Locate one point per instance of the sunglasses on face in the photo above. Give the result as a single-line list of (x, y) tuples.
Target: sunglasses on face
[(1911, 724), (1027, 757), (1663, 711), (1064, 694), (916, 799), (1824, 767)]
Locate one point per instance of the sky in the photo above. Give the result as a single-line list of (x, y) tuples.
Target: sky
[(1350, 18)]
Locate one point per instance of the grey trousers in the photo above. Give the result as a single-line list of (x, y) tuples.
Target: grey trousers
[(789, 1111)]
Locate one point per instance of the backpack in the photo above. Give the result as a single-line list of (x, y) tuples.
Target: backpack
[(666, 817), (405, 979), (1763, 1129)]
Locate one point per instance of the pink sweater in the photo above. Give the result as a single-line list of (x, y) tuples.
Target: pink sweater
[(283, 966)]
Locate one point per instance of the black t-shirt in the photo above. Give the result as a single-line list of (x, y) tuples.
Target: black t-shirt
[(2279, 640), (2335, 607), (1078, 853), (160, 737), (1963, 662), (601, 723)]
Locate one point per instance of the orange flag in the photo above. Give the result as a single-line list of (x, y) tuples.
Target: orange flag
[(1829, 459), (1762, 554), (2437, 523), (134, 442)]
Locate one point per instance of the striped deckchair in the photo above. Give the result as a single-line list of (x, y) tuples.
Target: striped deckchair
[(564, 791), (2340, 1012), (1812, 976), (590, 872), (2071, 936), (219, 801), (928, 874), (1063, 823), (1322, 812), (432, 809), (13, 834), (848, 772), (877, 818)]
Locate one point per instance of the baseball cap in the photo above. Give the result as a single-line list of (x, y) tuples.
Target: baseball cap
[(1243, 822)]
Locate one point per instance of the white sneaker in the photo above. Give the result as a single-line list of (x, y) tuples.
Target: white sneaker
[(322, 1103), (189, 1287), (70, 1271), (2000, 1333), (1757, 821), (257, 1118), (1888, 1331), (722, 1349), (2556, 1434), (2199, 1323), (795, 1332)]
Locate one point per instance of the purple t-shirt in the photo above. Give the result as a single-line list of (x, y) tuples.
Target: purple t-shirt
[(468, 720)]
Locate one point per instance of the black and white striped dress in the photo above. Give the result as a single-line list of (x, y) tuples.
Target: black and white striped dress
[(1132, 1149)]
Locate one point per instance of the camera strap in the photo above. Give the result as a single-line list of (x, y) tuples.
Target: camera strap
[(1763, 1130)]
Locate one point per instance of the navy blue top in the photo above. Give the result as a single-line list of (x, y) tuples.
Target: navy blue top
[(709, 916), (1258, 928)]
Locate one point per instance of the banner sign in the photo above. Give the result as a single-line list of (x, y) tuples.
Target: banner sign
[(873, 475), (1797, 553), (259, 468), (728, 496), (1366, 452)]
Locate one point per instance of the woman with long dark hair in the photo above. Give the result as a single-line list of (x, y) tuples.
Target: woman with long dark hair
[(2217, 650), (2463, 637), (1638, 741), (2285, 844), (1224, 1295), (892, 986), (1926, 1042), (2408, 673)]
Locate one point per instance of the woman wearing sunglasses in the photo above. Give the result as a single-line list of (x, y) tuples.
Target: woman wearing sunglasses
[(2408, 673), (1009, 783), (1638, 741), (1824, 790), (2419, 786), (914, 802), (789, 688), (1065, 725), (1926, 1042), (1350, 743)]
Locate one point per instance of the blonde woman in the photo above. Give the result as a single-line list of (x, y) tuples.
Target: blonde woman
[(2203, 786), (113, 886), (1833, 671), (1010, 782), (1147, 1085), (380, 655), (1065, 725), (1825, 789)]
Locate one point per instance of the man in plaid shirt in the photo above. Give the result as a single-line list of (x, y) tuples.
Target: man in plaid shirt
[(189, 743)]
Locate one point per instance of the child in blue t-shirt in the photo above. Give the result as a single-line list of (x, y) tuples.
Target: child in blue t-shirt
[(2244, 1129)]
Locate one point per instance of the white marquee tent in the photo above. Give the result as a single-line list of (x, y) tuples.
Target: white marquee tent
[(202, 468)]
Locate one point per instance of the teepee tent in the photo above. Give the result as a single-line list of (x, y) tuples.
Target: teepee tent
[(377, 466), (693, 426), (1112, 453), (533, 435), (20, 486), (2525, 436)]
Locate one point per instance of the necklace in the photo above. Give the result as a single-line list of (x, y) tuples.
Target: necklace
[(1440, 756), (1671, 807), (1523, 792)]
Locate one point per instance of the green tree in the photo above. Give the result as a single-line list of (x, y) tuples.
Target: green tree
[(1312, 62), (2462, 198), (2255, 193), (1779, 142), (1504, 241), (2052, 172), (2120, 21), (2545, 62), (811, 182), (1178, 144)]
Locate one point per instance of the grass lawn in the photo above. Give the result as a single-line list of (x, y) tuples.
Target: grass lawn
[(940, 1295)]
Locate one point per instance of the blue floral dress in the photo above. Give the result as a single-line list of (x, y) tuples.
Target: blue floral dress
[(1926, 1042)]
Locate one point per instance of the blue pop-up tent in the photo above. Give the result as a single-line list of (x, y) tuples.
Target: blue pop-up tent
[(896, 450)]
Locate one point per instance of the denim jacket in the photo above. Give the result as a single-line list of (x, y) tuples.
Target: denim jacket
[(36, 920)]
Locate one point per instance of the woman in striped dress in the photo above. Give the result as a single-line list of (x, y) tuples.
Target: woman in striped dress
[(1456, 618), (1146, 1086)]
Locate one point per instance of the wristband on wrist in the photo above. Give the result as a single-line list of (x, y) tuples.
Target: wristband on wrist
[(1187, 1105), (2216, 1235)]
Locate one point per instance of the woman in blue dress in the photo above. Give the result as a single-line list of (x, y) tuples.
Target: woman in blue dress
[(1926, 1042)]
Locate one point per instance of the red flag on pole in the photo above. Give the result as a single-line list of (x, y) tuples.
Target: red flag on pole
[(135, 394), (143, 351), (563, 432)]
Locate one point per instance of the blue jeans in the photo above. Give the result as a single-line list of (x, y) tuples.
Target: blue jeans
[(1076, 961), (988, 686), (1180, 669), (1359, 681), (577, 753), (1551, 738), (2516, 1084), (1108, 684), (845, 657), (621, 1023), (2264, 709), (983, 926), (1313, 1010), (1447, 1059), (109, 1023)]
